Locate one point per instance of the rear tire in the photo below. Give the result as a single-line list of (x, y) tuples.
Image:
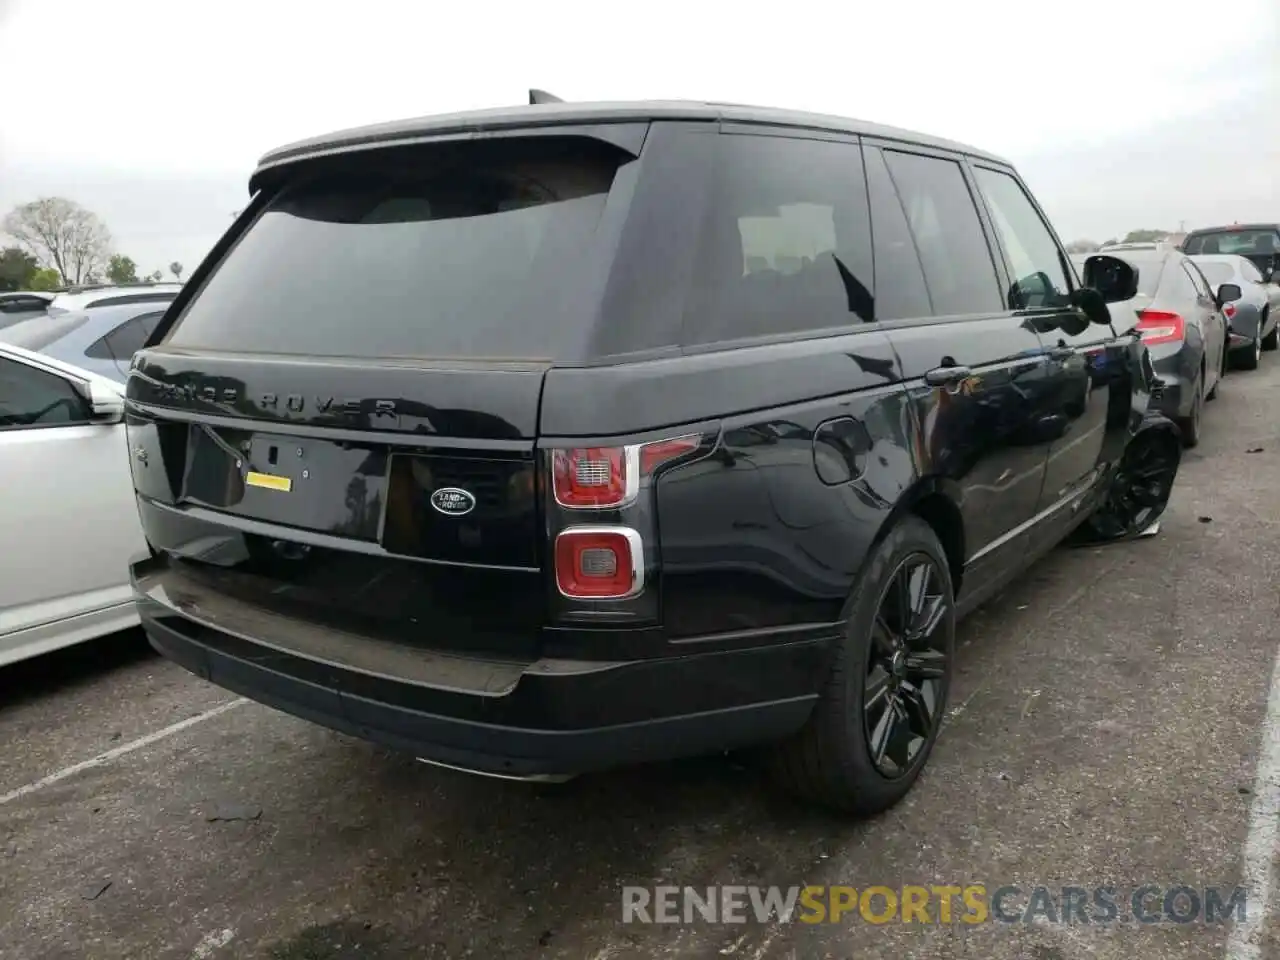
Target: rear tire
[(1190, 424), (880, 710), (1272, 339), (1248, 359)]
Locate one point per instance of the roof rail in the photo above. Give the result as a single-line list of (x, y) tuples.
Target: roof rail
[(541, 96)]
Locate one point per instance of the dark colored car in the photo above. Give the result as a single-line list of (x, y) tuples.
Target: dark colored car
[(17, 306), (1260, 242), (1179, 315), (630, 432), (100, 339)]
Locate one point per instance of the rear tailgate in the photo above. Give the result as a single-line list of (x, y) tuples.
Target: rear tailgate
[(321, 490), (340, 425)]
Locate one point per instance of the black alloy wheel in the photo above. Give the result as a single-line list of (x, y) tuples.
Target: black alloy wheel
[(1141, 487), (882, 702), (907, 664)]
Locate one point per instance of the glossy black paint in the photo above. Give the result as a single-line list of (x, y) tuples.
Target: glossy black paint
[(1000, 430)]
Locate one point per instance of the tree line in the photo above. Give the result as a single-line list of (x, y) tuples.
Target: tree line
[(58, 243)]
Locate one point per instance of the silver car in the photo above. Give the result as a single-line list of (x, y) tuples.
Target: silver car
[(1254, 317)]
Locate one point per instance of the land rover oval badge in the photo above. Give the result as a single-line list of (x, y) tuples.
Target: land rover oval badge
[(453, 501)]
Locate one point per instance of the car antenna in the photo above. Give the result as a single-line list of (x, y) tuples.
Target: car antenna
[(541, 96)]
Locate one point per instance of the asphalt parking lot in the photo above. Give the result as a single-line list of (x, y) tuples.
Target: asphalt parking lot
[(1106, 728)]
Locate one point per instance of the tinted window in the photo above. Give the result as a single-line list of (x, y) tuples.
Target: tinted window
[(462, 250), (34, 398), (1243, 242), (1217, 272), (785, 244), (1034, 260), (900, 288), (944, 222), (125, 340), (22, 304)]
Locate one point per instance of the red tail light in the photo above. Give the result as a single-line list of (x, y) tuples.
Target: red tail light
[(1160, 326), (1229, 310), (599, 563), (598, 477), (592, 476)]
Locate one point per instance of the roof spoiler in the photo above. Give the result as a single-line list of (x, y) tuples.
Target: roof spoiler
[(541, 96)]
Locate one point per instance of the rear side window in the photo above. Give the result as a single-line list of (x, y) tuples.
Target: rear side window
[(900, 288), (1034, 260), (785, 244), (944, 222), (125, 340), (448, 251)]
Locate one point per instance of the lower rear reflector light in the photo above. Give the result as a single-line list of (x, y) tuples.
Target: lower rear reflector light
[(599, 563)]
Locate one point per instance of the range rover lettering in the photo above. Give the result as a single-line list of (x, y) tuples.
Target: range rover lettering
[(672, 428)]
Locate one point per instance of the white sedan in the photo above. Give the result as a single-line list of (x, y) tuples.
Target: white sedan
[(68, 520)]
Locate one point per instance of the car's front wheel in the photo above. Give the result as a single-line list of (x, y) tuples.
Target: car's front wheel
[(879, 714)]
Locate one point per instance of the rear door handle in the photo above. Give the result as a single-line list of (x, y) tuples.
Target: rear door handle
[(946, 376)]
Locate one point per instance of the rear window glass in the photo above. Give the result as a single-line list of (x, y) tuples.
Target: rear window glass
[(38, 333), (1244, 242), (471, 251), (1216, 272), (1149, 269)]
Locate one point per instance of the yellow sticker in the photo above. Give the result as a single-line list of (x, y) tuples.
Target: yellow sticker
[(268, 481)]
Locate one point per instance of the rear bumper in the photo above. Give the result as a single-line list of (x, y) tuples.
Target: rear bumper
[(556, 718), (1178, 388)]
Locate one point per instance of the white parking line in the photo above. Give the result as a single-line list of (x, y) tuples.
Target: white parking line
[(119, 751), (1244, 941)]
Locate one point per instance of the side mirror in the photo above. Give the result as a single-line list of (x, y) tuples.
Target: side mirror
[(105, 405), (1090, 302), (1112, 278), (1229, 293)]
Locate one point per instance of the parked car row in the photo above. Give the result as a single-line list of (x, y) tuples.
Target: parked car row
[(1198, 314), (673, 428)]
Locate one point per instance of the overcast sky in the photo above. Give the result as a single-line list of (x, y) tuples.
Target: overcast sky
[(1120, 113)]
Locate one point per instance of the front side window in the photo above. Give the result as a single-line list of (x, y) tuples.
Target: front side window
[(948, 233), (785, 245), (1034, 260), (31, 398)]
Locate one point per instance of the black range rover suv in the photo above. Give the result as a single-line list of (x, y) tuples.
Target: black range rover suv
[(548, 439)]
